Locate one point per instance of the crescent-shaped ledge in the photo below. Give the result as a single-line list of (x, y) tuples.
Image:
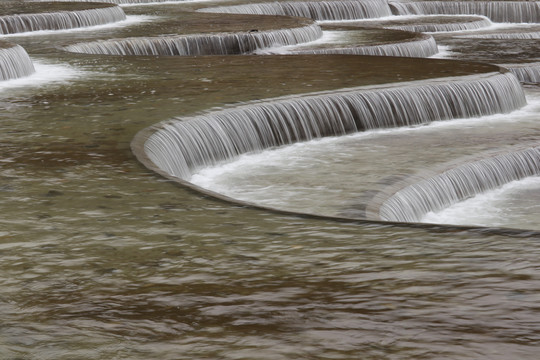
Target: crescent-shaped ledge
[(19, 17)]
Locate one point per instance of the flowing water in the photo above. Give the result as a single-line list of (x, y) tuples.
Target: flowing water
[(14, 62), (104, 259)]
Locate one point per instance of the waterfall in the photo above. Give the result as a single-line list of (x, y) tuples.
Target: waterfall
[(420, 46), (118, 2), (497, 11), (317, 10), (181, 146), (200, 44), (470, 24), (14, 62), (411, 203), (526, 73), (504, 36), (61, 20)]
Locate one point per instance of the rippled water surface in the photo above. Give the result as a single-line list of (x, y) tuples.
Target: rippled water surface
[(103, 259)]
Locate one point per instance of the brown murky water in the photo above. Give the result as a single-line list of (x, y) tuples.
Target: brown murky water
[(102, 259)]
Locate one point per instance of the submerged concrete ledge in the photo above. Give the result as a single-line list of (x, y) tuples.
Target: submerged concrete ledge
[(18, 17), (14, 61)]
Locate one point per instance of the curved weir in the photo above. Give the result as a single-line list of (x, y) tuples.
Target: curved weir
[(505, 36), (14, 62), (411, 203), (498, 11), (526, 73), (200, 44), (118, 2), (317, 10), (438, 24), (180, 147), (419, 46), (62, 19)]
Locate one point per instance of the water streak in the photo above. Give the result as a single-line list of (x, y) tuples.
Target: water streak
[(475, 24), (319, 10), (505, 36), (419, 46), (61, 20), (200, 44), (124, 2), (182, 146), (14, 62), (526, 73), (411, 203), (498, 11)]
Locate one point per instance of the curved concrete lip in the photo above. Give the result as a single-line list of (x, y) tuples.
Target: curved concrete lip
[(137, 147), (367, 65)]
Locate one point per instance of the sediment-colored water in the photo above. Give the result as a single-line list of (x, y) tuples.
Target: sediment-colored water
[(103, 259)]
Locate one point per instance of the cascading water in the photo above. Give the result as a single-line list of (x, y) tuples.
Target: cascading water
[(505, 36), (60, 20), (317, 10), (192, 45), (182, 146), (411, 203), (526, 73), (455, 24), (498, 11), (419, 46), (14, 62), (119, 2)]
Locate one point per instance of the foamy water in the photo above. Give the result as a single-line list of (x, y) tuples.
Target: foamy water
[(516, 204), (322, 176), (45, 73)]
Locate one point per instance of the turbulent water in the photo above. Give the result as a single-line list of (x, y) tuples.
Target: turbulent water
[(14, 63), (459, 183), (104, 259)]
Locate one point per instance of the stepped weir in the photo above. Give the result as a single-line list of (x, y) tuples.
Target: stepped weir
[(14, 61), (201, 44), (254, 244), (317, 10), (498, 11), (419, 45), (35, 16), (180, 147), (435, 193)]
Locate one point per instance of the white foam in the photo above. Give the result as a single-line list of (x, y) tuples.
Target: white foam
[(516, 203), (238, 178), (45, 73)]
